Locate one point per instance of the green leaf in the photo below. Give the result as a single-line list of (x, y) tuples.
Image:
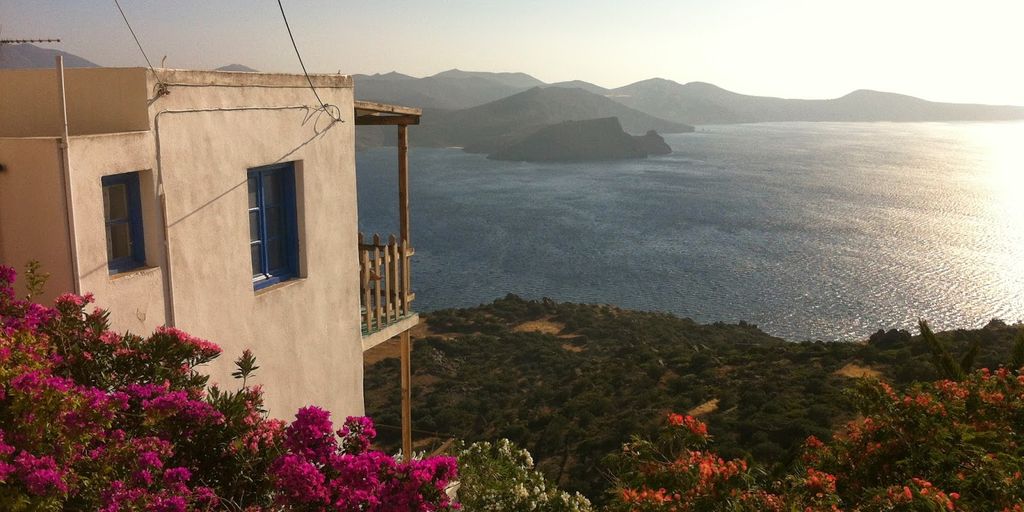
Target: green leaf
[(246, 364), (1017, 360), (941, 356)]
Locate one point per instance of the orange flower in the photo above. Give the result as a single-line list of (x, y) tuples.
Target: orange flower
[(675, 420)]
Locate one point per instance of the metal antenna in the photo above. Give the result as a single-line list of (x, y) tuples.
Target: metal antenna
[(19, 41)]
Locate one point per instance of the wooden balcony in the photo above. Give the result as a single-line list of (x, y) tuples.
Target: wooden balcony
[(385, 292)]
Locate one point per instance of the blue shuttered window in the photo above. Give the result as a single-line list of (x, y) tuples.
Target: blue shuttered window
[(273, 229), (122, 214)]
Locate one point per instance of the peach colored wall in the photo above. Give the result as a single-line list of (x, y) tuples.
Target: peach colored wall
[(33, 220), (99, 100)]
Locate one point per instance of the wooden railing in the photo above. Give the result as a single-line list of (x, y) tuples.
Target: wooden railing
[(385, 293)]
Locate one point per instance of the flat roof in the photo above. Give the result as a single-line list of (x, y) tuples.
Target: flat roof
[(249, 78), (374, 113)]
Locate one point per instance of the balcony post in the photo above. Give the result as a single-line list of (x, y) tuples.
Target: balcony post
[(403, 183), (406, 349), (406, 339)]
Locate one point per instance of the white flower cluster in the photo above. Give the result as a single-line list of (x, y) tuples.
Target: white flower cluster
[(500, 477)]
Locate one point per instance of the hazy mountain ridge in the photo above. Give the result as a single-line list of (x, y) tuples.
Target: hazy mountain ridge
[(493, 126), (450, 90), (31, 56), (580, 84), (237, 68), (511, 79), (703, 103)]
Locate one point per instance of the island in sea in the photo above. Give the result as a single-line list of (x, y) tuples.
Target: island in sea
[(580, 141)]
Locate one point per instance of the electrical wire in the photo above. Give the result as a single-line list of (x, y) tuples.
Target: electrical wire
[(118, 4), (303, 65)]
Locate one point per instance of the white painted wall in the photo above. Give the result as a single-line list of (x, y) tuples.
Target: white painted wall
[(135, 299)]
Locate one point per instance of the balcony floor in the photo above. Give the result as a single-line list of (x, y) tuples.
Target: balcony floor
[(372, 339)]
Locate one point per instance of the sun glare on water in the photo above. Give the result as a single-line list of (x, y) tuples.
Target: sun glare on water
[(1003, 148)]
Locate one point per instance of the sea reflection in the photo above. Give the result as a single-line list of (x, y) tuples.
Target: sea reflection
[(810, 230), (1001, 153)]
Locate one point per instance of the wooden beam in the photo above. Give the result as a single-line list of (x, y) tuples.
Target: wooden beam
[(376, 120), (403, 185), (385, 108), (406, 356)]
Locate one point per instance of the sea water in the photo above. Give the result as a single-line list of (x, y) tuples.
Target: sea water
[(810, 230)]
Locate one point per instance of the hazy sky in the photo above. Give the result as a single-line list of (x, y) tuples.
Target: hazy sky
[(944, 50)]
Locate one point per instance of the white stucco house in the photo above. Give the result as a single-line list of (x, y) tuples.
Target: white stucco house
[(220, 203)]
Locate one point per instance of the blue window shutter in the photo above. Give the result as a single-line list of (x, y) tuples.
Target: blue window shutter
[(124, 188), (273, 224)]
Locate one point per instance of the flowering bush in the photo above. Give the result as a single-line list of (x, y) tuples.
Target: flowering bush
[(94, 420), (500, 477), (945, 445), (319, 473), (953, 444), (677, 472)]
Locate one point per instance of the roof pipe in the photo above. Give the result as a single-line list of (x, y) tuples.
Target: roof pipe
[(66, 176)]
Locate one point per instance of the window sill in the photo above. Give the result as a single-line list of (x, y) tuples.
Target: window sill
[(133, 273), (278, 286)]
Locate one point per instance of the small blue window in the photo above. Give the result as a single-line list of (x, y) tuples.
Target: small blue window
[(122, 214), (273, 229)]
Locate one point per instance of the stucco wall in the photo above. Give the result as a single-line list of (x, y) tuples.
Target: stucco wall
[(305, 332), (135, 299), (33, 220), (99, 100)]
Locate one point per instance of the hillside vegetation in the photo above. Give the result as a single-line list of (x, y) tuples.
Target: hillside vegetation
[(571, 382)]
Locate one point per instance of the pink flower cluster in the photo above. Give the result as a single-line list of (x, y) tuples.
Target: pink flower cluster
[(319, 473)]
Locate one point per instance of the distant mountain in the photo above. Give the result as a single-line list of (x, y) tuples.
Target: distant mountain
[(580, 84), (866, 105), (448, 90), (493, 126), (31, 56), (394, 75), (517, 80), (703, 103), (486, 112), (578, 141), (236, 67)]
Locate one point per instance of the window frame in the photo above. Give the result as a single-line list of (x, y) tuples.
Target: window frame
[(289, 226), (133, 199)]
